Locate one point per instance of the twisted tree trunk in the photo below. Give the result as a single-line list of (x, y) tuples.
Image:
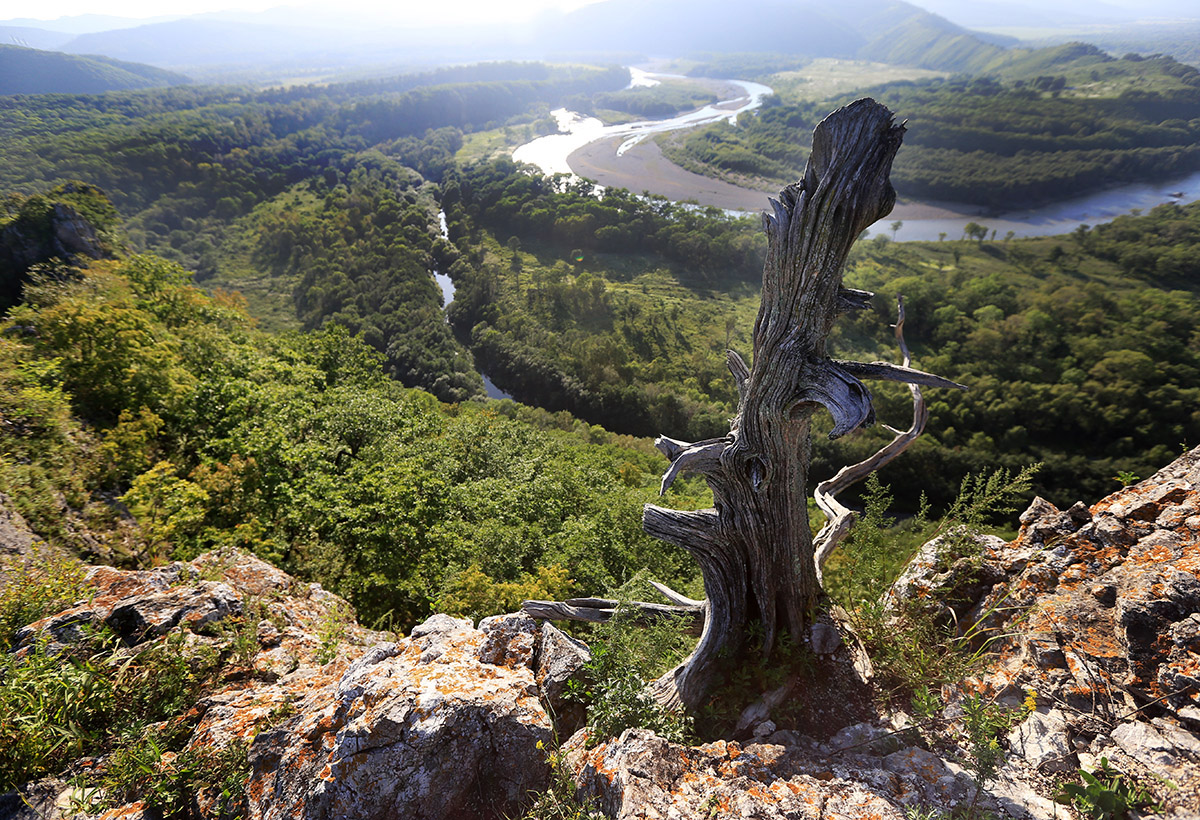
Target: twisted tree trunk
[(755, 549)]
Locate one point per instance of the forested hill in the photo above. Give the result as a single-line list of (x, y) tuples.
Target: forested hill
[(30, 71), (187, 164), (1080, 352), (321, 206)]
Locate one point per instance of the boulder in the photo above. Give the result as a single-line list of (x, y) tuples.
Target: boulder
[(1098, 612), (640, 775), (422, 728), (15, 536)]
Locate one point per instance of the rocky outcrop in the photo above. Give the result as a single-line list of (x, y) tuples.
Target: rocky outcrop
[(1090, 620), (1097, 612), (339, 721), (58, 231), (640, 775), (444, 724), (15, 537)]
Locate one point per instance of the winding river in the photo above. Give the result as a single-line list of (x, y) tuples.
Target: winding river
[(575, 130), (551, 154)]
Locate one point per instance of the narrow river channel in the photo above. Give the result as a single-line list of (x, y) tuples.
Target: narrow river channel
[(447, 286)]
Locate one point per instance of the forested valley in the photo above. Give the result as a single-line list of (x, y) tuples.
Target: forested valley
[(261, 358), (1066, 119)]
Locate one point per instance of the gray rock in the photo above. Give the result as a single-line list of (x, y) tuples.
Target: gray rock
[(15, 536), (440, 623), (510, 639), (560, 659), (1043, 741), (864, 738), (642, 776), (143, 617), (1146, 745), (825, 638), (38, 800), (407, 732)]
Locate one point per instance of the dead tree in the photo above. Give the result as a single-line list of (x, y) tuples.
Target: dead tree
[(755, 548)]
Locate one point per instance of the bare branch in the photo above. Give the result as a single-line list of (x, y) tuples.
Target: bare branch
[(599, 610), (845, 397), (849, 299), (841, 518), (896, 373), (670, 447), (675, 597), (698, 458), (740, 370)]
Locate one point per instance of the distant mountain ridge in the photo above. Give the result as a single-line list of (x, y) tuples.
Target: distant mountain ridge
[(31, 71), (882, 30)]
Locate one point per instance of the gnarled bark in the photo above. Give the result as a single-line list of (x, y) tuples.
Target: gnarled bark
[(755, 548)]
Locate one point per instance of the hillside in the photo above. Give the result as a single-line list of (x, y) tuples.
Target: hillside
[(600, 323), (883, 30), (30, 71)]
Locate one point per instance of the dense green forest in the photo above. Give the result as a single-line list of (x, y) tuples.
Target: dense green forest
[(615, 308), (1081, 351), (125, 389), (1069, 119), (196, 170)]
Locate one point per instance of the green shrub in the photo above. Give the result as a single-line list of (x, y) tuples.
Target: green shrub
[(56, 707), (34, 588), (1105, 794), (625, 657)]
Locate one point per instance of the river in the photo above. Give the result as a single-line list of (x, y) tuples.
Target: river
[(1059, 218), (576, 130), (447, 286), (551, 153)]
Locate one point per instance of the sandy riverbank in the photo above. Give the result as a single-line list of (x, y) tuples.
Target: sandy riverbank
[(645, 168)]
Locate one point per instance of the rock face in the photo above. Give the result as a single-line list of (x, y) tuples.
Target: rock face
[(640, 775), (424, 728), (60, 232), (339, 721), (1096, 611)]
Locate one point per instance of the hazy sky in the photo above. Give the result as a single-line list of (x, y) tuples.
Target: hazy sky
[(465, 10)]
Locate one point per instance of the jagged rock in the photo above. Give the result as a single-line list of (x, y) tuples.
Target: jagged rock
[(39, 800), (942, 573), (560, 659), (1042, 740), (417, 729), (510, 639), (1145, 744), (640, 775), (863, 738), (1099, 614), (926, 774)]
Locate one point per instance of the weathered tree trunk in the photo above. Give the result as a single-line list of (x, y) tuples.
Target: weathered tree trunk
[(755, 549)]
